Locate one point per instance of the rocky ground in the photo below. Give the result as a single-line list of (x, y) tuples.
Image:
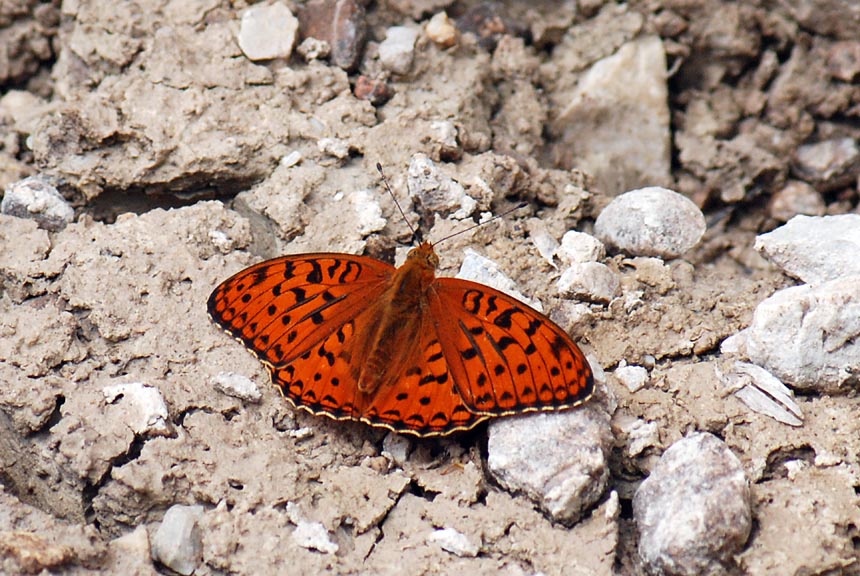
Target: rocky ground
[(171, 144)]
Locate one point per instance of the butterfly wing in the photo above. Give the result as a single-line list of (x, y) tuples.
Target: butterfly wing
[(422, 401), (302, 316), (505, 356), (282, 308)]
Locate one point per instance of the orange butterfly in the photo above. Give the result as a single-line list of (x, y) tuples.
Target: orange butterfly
[(353, 338)]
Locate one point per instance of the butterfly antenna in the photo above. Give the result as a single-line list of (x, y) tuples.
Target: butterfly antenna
[(479, 224), (393, 197)]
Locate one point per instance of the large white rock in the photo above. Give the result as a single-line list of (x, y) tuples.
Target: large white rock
[(651, 221), (815, 248), (807, 336), (268, 32)]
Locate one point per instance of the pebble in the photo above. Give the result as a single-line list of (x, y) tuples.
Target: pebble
[(546, 244), (579, 247), (482, 270), (591, 281), (559, 460), (634, 378), (441, 30), (651, 221), (396, 448), (375, 91), (436, 192), (397, 51), (144, 409), (444, 136), (814, 248), (808, 336), (177, 544), (795, 198), (366, 212), (829, 164), (268, 32), (636, 434), (309, 535), (291, 159), (454, 542), (36, 199), (237, 386), (313, 49), (340, 23), (762, 392), (335, 147), (693, 510)]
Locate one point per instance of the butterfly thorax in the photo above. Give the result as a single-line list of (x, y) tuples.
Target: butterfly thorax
[(403, 307)]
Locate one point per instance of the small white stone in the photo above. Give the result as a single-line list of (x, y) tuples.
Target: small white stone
[(651, 222), (591, 281), (37, 199), (482, 270), (546, 244), (578, 247), (268, 32), (445, 135), (633, 377), (177, 543), (367, 212), (454, 542), (640, 435), (291, 159), (335, 147), (441, 30), (301, 433), (398, 49), (313, 49), (143, 407), (436, 192), (238, 386), (309, 535), (815, 248)]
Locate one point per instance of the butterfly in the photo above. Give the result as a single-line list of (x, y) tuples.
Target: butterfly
[(354, 338)]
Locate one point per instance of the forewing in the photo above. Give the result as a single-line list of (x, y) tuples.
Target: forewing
[(505, 357), (282, 308)]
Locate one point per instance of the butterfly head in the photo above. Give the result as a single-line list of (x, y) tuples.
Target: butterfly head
[(424, 255)]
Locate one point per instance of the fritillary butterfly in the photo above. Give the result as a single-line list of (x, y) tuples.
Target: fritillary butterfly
[(353, 338)]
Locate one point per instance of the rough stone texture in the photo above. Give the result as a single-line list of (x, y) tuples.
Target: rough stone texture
[(590, 281), (815, 249), (34, 198), (693, 511), (558, 460), (807, 336)]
